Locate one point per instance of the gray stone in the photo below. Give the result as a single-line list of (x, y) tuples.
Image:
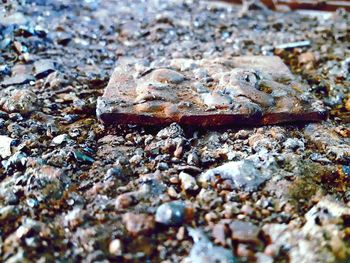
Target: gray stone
[(171, 213), (243, 174)]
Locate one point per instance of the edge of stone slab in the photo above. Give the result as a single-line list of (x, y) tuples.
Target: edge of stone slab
[(113, 117)]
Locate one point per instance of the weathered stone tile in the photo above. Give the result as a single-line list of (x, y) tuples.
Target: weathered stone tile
[(249, 90)]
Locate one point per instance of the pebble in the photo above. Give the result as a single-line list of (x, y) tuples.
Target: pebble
[(243, 174), (43, 68), (5, 70), (136, 159), (116, 247), (163, 166), (347, 104), (137, 224), (5, 146), (23, 101), (59, 139), (172, 131), (263, 258), (171, 214), (244, 232), (188, 182), (193, 159), (82, 157), (220, 232), (114, 172), (125, 200)]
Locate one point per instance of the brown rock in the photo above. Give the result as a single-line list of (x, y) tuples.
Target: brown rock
[(249, 90), (307, 60), (125, 200), (138, 223)]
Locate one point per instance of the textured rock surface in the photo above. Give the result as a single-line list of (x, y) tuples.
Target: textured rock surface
[(247, 90)]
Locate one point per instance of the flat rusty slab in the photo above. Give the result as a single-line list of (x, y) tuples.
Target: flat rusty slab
[(247, 90)]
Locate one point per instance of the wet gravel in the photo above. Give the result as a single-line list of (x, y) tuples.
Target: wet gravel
[(74, 190)]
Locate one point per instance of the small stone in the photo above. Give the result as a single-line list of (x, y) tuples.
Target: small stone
[(193, 159), (243, 174), (43, 68), (307, 60), (137, 224), (172, 192), (82, 157), (5, 70), (179, 151), (31, 202), (48, 183), (5, 146), (163, 166), (181, 233), (114, 172), (220, 232), (188, 182), (96, 256), (116, 247), (136, 159), (124, 201), (172, 131), (59, 139), (171, 213), (23, 101), (245, 232)]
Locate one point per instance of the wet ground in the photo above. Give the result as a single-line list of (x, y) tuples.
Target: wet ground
[(73, 190)]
